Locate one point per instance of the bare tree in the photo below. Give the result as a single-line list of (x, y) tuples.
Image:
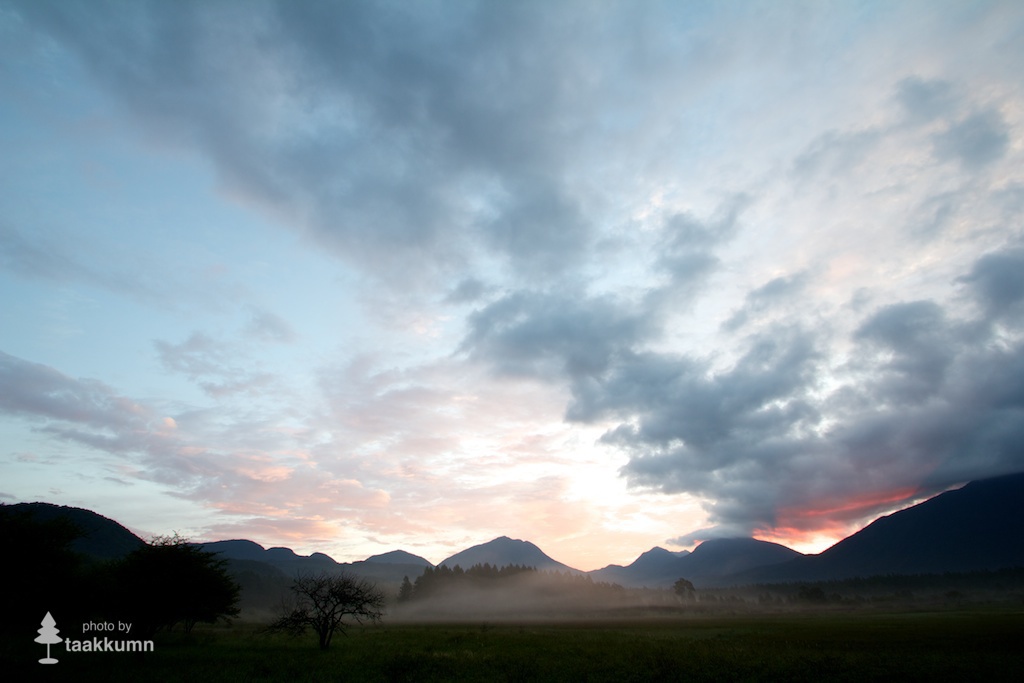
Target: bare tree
[(325, 601)]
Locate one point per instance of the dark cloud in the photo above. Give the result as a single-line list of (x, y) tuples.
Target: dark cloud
[(931, 402), (998, 281), (420, 130), (539, 227), (913, 344), (783, 438), (569, 333), (686, 254), (550, 334), (675, 405), (974, 141)]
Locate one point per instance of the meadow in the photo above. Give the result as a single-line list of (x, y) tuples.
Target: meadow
[(815, 645)]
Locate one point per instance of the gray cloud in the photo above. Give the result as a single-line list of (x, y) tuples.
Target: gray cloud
[(925, 99), (39, 391), (932, 402), (763, 298), (925, 401), (916, 346), (686, 233), (675, 404), (539, 333), (975, 141), (574, 334), (938, 212), (468, 290), (212, 365), (89, 413), (438, 141), (998, 281), (211, 456)]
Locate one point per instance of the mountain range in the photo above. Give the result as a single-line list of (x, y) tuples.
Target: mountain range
[(977, 527)]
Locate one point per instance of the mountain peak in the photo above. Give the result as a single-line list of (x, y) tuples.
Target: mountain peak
[(399, 557), (657, 551), (503, 551)]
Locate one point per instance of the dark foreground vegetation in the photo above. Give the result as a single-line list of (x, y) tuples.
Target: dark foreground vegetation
[(165, 584), (486, 623), (818, 645)]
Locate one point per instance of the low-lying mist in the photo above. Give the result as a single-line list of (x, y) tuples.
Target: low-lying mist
[(527, 595)]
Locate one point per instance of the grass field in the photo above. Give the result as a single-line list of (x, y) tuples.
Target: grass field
[(979, 645)]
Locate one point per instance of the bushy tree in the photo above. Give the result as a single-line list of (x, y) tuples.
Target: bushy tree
[(685, 590), (326, 600), (170, 581)]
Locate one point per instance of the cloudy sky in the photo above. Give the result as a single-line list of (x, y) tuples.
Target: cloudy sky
[(358, 276)]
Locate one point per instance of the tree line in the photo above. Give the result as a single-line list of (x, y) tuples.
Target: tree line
[(437, 580)]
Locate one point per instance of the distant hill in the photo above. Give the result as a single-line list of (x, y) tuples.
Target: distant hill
[(399, 557), (505, 551), (101, 539), (977, 527), (283, 559), (649, 569), (278, 562), (711, 560), (722, 557)]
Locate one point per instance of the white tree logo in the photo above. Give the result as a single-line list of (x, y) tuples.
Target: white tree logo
[(48, 636)]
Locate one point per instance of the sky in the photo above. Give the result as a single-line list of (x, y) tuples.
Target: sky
[(351, 277)]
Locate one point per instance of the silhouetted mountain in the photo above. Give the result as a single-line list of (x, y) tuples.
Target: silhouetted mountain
[(283, 559), (650, 569), (101, 539), (399, 557), (504, 551), (237, 549), (720, 557), (712, 559), (977, 527), (284, 562)]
